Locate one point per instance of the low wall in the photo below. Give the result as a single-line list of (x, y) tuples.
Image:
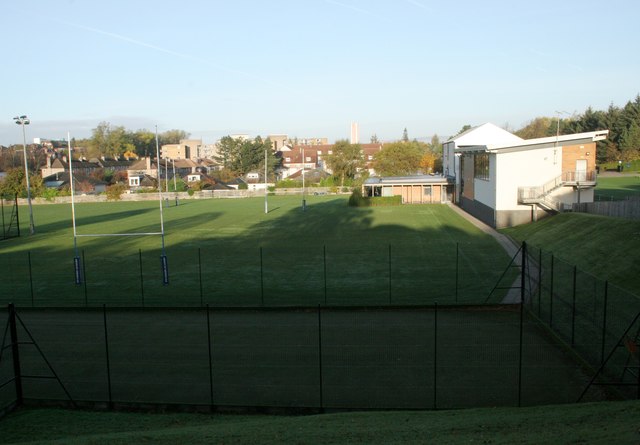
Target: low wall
[(204, 194)]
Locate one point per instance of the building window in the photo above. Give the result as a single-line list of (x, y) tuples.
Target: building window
[(481, 166), (287, 159), (426, 190)]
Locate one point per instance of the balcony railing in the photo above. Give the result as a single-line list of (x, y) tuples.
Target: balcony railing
[(582, 177)]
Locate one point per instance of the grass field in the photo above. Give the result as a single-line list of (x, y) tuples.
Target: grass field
[(614, 188), (594, 424), (229, 252)]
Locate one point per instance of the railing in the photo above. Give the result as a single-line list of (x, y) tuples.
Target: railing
[(540, 194), (573, 177), (531, 195)]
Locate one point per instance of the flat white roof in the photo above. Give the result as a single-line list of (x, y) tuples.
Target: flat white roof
[(532, 144), (416, 179)]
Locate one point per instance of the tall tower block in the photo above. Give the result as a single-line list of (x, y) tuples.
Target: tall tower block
[(355, 136)]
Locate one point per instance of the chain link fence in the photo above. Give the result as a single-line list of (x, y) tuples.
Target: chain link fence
[(228, 274), (297, 359), (597, 320)]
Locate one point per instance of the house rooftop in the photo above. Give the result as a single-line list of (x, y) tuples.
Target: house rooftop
[(414, 179)]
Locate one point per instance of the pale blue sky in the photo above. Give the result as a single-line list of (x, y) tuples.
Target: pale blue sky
[(308, 68)]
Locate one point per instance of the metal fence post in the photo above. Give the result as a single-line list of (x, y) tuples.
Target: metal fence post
[(457, 264), (320, 380), (15, 350), (261, 280), (84, 270), (389, 274), (539, 282), (210, 358), (200, 275), (522, 293), (551, 295), (141, 277), (435, 355), (604, 319), (106, 349), (573, 308), (30, 277), (324, 260)]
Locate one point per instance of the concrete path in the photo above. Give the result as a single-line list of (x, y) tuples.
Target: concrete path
[(513, 295)]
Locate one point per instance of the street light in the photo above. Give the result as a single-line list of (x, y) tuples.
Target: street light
[(23, 120), (304, 201)]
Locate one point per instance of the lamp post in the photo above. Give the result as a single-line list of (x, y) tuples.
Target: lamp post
[(304, 201), (23, 120)]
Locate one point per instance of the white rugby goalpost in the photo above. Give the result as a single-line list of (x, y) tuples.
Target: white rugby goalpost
[(79, 275)]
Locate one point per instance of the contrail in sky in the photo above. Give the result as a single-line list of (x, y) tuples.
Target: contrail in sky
[(183, 56)]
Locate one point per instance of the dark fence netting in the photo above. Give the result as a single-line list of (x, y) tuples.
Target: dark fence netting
[(426, 357), (234, 275), (595, 319), (7, 388)]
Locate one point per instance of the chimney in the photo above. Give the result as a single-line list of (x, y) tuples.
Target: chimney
[(48, 161), (148, 159)]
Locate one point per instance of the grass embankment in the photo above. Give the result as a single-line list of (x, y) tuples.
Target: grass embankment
[(608, 248), (600, 423), (615, 188)]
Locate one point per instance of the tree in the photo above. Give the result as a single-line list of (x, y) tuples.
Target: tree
[(463, 129), (538, 128), (374, 139), (109, 141), (405, 135), (398, 158), (239, 156), (345, 161), (428, 162), (172, 137), (144, 142), (435, 145), (14, 183)]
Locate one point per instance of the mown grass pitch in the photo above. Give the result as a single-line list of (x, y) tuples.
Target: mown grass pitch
[(230, 253)]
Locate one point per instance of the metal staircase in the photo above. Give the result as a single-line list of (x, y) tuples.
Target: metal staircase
[(541, 195)]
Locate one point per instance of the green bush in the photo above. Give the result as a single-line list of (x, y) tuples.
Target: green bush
[(115, 191), (357, 200), (271, 188), (243, 186), (288, 184), (50, 193), (381, 201), (190, 192)]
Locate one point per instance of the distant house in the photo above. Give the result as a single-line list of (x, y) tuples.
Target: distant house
[(82, 183), (309, 157), (504, 180), (59, 164)]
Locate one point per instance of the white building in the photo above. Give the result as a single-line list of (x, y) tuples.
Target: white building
[(504, 180)]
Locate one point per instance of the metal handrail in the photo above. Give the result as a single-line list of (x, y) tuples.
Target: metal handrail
[(538, 193)]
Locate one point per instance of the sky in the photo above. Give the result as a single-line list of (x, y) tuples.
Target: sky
[(309, 68)]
